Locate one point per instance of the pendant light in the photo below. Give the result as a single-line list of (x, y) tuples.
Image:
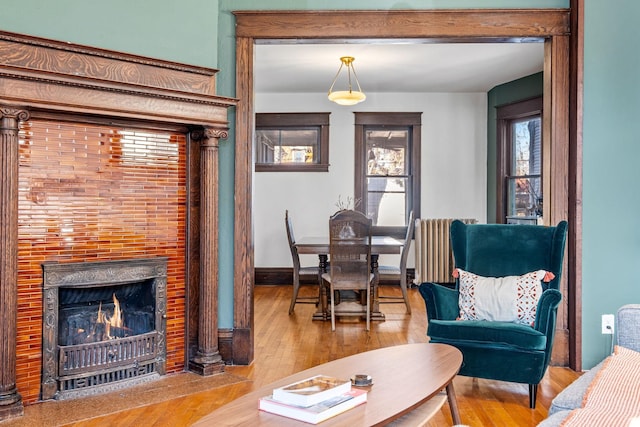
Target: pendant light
[(347, 97)]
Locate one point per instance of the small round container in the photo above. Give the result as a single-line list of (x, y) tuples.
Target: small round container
[(361, 380)]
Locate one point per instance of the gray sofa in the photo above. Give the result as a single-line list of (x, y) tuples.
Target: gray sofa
[(627, 329)]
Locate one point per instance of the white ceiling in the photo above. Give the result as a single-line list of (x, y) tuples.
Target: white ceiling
[(396, 67)]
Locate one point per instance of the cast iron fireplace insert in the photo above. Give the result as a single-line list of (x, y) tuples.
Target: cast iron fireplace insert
[(103, 325)]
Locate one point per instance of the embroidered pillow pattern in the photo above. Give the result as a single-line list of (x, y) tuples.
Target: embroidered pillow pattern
[(506, 299), (467, 295), (529, 291)]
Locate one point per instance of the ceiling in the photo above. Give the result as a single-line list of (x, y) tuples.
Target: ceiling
[(395, 67)]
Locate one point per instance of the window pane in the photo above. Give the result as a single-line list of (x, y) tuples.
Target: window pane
[(519, 189), (387, 151), (525, 198), (387, 179), (525, 159), (282, 146), (387, 200)]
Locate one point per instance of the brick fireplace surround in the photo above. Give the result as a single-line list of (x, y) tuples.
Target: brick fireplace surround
[(105, 157)]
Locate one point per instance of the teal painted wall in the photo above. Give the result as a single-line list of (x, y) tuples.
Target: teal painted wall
[(164, 29), (517, 90), (611, 139), (200, 32)]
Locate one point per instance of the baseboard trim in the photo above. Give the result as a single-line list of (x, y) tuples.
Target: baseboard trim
[(225, 345), (279, 276), (284, 276)]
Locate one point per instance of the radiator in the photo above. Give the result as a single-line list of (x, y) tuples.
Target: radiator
[(434, 258)]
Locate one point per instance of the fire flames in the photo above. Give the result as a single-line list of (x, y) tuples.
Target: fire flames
[(114, 325)]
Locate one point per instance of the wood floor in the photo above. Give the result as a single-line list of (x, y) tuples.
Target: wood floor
[(285, 344)]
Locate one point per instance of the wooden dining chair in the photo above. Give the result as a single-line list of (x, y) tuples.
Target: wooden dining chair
[(298, 270), (398, 272), (350, 260)]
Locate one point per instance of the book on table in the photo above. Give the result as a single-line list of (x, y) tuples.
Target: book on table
[(311, 390), (318, 412)]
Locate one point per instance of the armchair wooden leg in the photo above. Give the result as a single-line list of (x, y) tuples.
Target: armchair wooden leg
[(533, 394)]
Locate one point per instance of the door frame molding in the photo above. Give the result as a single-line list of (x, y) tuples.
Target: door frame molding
[(562, 119)]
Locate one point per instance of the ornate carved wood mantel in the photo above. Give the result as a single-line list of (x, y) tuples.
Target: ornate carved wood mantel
[(43, 78)]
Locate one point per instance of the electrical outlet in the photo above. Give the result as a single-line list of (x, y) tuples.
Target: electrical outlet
[(607, 324)]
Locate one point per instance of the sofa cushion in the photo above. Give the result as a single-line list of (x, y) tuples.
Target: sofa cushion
[(491, 334), (572, 396), (506, 299), (554, 420), (613, 397)]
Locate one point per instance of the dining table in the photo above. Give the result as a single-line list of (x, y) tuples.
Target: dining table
[(319, 245)]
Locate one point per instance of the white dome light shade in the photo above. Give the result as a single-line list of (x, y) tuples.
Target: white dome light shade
[(345, 97)]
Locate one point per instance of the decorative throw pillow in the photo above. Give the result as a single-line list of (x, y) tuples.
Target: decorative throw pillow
[(506, 299)]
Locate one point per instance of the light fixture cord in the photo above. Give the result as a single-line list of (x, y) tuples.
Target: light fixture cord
[(348, 61), (356, 76), (336, 77), (349, 76)]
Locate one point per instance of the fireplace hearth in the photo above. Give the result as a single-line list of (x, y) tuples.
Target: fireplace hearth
[(103, 325)]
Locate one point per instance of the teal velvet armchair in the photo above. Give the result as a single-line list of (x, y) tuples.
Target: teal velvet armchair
[(500, 350)]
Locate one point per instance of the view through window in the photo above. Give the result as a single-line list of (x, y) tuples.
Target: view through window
[(280, 146), (387, 168), (525, 186), (387, 175), (292, 142), (520, 198)]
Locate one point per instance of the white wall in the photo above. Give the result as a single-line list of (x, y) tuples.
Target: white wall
[(454, 166)]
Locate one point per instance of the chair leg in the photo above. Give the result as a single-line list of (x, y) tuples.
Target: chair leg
[(403, 288), (333, 309), (533, 394), (368, 314), (296, 288)]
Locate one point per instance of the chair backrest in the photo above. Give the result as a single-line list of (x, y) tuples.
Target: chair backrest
[(350, 250), (498, 250), (292, 240), (407, 241)]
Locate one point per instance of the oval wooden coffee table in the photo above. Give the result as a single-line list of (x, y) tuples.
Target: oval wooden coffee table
[(404, 377)]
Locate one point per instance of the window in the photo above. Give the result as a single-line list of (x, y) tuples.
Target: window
[(519, 192), (293, 142), (387, 169)]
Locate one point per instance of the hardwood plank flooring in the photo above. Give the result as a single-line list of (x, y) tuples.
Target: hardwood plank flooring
[(285, 344)]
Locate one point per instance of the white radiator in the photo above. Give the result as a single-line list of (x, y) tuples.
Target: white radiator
[(434, 258)]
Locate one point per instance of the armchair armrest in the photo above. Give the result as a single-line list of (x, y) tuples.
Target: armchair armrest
[(441, 302), (546, 312)]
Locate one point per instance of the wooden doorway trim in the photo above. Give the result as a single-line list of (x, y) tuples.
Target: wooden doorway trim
[(468, 25), (576, 79)]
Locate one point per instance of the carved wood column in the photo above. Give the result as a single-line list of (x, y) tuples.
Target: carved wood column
[(208, 360), (10, 399)]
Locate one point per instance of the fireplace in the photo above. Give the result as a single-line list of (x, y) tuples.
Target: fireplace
[(106, 156), (103, 325)]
